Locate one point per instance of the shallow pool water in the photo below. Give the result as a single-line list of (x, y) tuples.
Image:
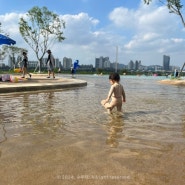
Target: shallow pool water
[(67, 137)]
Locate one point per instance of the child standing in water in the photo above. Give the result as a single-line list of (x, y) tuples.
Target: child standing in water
[(116, 94)]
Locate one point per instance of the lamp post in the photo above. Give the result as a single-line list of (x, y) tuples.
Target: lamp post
[(116, 63)]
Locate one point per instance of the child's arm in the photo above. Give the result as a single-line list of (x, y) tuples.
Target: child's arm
[(123, 95), (109, 95)]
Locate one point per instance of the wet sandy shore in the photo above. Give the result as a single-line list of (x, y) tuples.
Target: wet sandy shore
[(173, 82)]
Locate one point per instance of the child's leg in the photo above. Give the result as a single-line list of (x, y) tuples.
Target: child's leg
[(109, 111), (119, 106), (103, 102), (106, 105)]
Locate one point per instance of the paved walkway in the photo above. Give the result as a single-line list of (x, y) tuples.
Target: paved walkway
[(40, 82)]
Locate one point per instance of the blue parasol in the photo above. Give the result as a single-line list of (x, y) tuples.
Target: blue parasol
[(6, 40)]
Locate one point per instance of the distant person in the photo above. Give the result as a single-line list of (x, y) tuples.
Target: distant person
[(176, 73), (25, 65), (50, 64), (72, 72), (116, 94), (74, 67)]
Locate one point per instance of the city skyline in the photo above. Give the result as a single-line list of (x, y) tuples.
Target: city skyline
[(67, 63), (104, 62)]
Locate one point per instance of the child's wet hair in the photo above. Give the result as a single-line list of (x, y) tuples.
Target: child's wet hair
[(114, 76)]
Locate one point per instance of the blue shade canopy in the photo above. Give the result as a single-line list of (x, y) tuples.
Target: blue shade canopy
[(6, 40)]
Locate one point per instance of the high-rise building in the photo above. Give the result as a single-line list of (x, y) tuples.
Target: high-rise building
[(57, 63), (137, 64), (97, 63), (166, 62), (131, 65), (67, 63), (102, 62), (106, 62)]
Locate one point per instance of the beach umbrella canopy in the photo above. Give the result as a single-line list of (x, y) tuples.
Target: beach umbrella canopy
[(6, 40)]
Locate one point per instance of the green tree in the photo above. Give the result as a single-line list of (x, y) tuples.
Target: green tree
[(2, 31), (2, 54), (174, 6), (13, 52), (40, 29)]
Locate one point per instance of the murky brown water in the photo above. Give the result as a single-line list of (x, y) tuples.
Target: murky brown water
[(66, 137)]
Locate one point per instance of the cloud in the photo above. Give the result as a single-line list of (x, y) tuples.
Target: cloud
[(79, 28), (10, 23), (123, 17)]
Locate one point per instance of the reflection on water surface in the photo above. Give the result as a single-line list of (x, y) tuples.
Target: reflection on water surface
[(66, 136)]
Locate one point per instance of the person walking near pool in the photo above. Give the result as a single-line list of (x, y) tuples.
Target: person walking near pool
[(116, 94), (25, 65), (50, 64), (72, 72)]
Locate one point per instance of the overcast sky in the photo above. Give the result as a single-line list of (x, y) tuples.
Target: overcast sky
[(95, 27)]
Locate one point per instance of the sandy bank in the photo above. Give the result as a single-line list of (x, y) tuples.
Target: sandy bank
[(173, 81)]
